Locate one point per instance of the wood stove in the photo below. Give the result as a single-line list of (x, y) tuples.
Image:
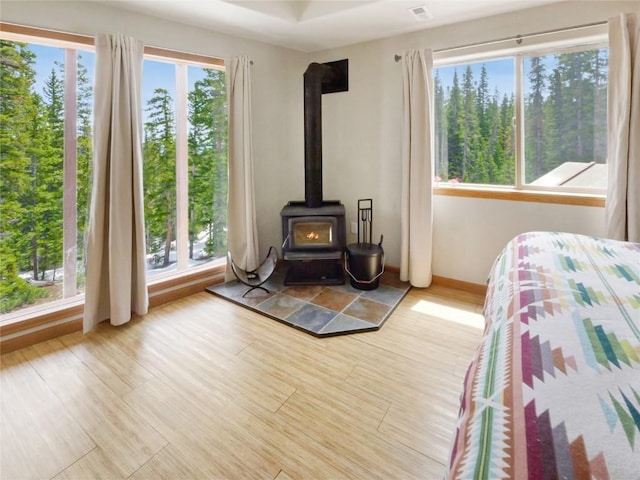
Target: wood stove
[(314, 242), (313, 230)]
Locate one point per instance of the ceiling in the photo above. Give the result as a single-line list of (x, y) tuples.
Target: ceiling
[(313, 25)]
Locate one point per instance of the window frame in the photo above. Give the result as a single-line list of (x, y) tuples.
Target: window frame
[(562, 41), (161, 285), (71, 44), (181, 62)]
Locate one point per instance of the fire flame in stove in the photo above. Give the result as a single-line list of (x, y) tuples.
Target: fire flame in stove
[(312, 236)]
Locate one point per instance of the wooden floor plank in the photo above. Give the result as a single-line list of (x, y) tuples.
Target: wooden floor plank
[(121, 433), (39, 435), (199, 432), (118, 369), (96, 465), (168, 463)]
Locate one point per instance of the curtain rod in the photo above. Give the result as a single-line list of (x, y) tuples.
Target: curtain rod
[(517, 38)]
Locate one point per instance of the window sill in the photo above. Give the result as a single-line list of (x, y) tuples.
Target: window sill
[(63, 316), (562, 198), (195, 279)]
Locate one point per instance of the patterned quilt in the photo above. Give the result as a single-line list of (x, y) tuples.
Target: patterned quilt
[(553, 391)]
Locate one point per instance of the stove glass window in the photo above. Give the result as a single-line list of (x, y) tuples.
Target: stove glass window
[(312, 233)]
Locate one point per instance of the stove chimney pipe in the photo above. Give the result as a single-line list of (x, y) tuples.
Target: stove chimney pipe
[(313, 134), (319, 78)]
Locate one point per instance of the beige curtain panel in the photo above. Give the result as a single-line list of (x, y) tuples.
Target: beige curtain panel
[(116, 271), (417, 168), (623, 136), (242, 232)]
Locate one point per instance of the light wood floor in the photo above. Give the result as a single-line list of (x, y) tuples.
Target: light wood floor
[(201, 388)]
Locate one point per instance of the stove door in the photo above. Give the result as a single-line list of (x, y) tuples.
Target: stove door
[(313, 232)]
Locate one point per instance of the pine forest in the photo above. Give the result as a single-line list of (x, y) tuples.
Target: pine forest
[(565, 108)]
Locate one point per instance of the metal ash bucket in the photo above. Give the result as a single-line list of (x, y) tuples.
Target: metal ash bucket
[(364, 261)]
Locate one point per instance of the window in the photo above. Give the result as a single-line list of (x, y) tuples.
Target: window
[(534, 118), (474, 134), (565, 119), (45, 164), (45, 170), (185, 164)]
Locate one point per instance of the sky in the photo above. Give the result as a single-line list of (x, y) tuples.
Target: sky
[(156, 74), (500, 75), (46, 59)]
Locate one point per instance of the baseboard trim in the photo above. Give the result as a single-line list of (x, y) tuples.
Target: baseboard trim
[(469, 287), (42, 319), (48, 324), (194, 285), (42, 335)]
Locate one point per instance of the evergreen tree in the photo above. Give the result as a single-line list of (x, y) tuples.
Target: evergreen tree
[(534, 132), (578, 97), (53, 96), (440, 129), (159, 152), (507, 141), (455, 135), (43, 225), (208, 163), (483, 99), (492, 144), (48, 163), (474, 167), (599, 80), (16, 111), (476, 131), (554, 125), (84, 163)]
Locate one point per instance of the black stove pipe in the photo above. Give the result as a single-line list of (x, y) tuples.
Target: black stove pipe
[(319, 78), (313, 78)]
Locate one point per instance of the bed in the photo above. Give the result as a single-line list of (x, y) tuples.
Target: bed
[(553, 390)]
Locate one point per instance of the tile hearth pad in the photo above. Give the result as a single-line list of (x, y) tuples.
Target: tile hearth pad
[(317, 309)]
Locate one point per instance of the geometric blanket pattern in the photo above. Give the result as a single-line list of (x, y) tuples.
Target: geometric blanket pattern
[(320, 310), (554, 388)]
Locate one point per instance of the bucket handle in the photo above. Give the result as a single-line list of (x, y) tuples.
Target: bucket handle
[(346, 267)]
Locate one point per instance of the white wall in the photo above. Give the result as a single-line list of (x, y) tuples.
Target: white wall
[(362, 145), (470, 233), (361, 127)]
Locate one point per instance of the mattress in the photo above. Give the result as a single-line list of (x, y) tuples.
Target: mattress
[(553, 390)]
